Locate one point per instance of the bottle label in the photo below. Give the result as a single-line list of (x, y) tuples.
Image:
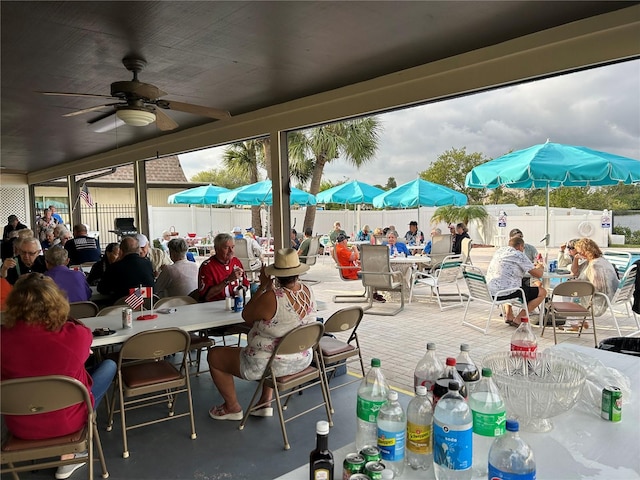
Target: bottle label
[(528, 349), (321, 474), (367, 410), (391, 445), (489, 424), (495, 474), (452, 445), (419, 438)]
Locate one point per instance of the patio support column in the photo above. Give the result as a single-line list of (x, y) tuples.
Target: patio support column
[(33, 213), (140, 189), (281, 216), (73, 189)]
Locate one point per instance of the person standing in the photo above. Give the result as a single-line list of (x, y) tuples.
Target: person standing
[(44, 222), (82, 248), (73, 283), (222, 273), (12, 224), (56, 216)]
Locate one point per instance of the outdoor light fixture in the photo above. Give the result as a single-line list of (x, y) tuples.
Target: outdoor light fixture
[(136, 116), (106, 124)]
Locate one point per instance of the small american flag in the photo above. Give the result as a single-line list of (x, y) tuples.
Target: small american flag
[(137, 296), (86, 195)]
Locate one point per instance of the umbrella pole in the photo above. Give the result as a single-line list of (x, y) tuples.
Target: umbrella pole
[(546, 228)]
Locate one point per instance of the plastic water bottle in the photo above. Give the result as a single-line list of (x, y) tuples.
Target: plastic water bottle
[(419, 430), (510, 457), (392, 431), (489, 418), (428, 370), (372, 394), (442, 384), (467, 368), (524, 340), (452, 436)]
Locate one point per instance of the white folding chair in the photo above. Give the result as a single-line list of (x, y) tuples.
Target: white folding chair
[(447, 274), (623, 296)]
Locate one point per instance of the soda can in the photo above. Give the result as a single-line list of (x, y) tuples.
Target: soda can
[(371, 453), (374, 470), (611, 404), (353, 463), (238, 304), (127, 318), (358, 476)]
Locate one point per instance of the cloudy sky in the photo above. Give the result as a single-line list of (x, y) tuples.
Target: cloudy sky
[(597, 108)]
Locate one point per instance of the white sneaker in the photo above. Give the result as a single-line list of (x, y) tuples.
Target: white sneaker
[(65, 471)]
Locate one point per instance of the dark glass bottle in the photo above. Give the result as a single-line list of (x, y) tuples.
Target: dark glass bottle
[(321, 459)]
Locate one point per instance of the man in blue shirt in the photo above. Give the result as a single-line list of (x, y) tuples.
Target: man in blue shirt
[(56, 216), (82, 248)]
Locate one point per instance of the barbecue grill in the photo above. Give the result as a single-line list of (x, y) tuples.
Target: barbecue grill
[(123, 227)]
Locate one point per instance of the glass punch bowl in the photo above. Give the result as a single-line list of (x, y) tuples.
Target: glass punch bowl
[(536, 389)]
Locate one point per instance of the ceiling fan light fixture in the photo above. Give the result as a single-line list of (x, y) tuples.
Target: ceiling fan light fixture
[(136, 117)]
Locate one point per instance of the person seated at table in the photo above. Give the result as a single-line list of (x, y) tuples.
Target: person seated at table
[(130, 271), (396, 248), (13, 223), (293, 238), (27, 260), (566, 253), (350, 257), (73, 283), (337, 230), (303, 251), (156, 256), (111, 254), (530, 251), (589, 264), (5, 289), (180, 278), (48, 239), (58, 232), (391, 228), (272, 312), (39, 338), (164, 241), (82, 248), (461, 233), (7, 249), (364, 235), (221, 273), (256, 254), (237, 233), (434, 232), (507, 268), (414, 236)]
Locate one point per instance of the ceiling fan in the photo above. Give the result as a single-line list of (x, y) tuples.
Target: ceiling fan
[(139, 104)]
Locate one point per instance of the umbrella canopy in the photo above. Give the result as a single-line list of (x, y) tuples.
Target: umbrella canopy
[(420, 193), (350, 193), (555, 165), (552, 165), (204, 195), (260, 193)]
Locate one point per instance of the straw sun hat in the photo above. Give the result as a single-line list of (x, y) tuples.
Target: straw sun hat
[(286, 264)]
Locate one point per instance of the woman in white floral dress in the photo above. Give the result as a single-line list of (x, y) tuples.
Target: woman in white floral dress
[(272, 312)]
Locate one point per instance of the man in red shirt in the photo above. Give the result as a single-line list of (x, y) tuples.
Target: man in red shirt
[(222, 273)]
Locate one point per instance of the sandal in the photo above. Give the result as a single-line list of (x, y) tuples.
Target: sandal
[(219, 412), (262, 412)]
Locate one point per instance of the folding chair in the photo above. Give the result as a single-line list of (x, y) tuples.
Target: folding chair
[(199, 340), (334, 350), (297, 340), (354, 298), (479, 291), (83, 309), (377, 275), (557, 309), (36, 395), (447, 274), (623, 296), (146, 378)]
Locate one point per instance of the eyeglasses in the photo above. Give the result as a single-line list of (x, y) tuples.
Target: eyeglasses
[(571, 248), (31, 254)]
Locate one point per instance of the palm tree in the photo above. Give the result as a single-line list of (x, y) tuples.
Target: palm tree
[(241, 161), (355, 140), (466, 214)]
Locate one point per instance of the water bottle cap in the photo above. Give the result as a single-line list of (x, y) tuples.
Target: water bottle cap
[(464, 347), (421, 390), (486, 372), (431, 346), (454, 385), (451, 362), (392, 395), (322, 427), (513, 425), (375, 362)]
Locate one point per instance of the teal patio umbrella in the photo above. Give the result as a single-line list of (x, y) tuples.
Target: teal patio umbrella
[(204, 195), (261, 193), (419, 193), (350, 193), (552, 165)]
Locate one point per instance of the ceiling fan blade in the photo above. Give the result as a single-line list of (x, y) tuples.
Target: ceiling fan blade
[(164, 121), (194, 109), (66, 94), (90, 109)]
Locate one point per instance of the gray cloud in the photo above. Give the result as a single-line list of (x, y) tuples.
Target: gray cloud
[(598, 108)]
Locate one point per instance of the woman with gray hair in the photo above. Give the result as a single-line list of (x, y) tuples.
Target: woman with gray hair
[(181, 278), (73, 283)]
